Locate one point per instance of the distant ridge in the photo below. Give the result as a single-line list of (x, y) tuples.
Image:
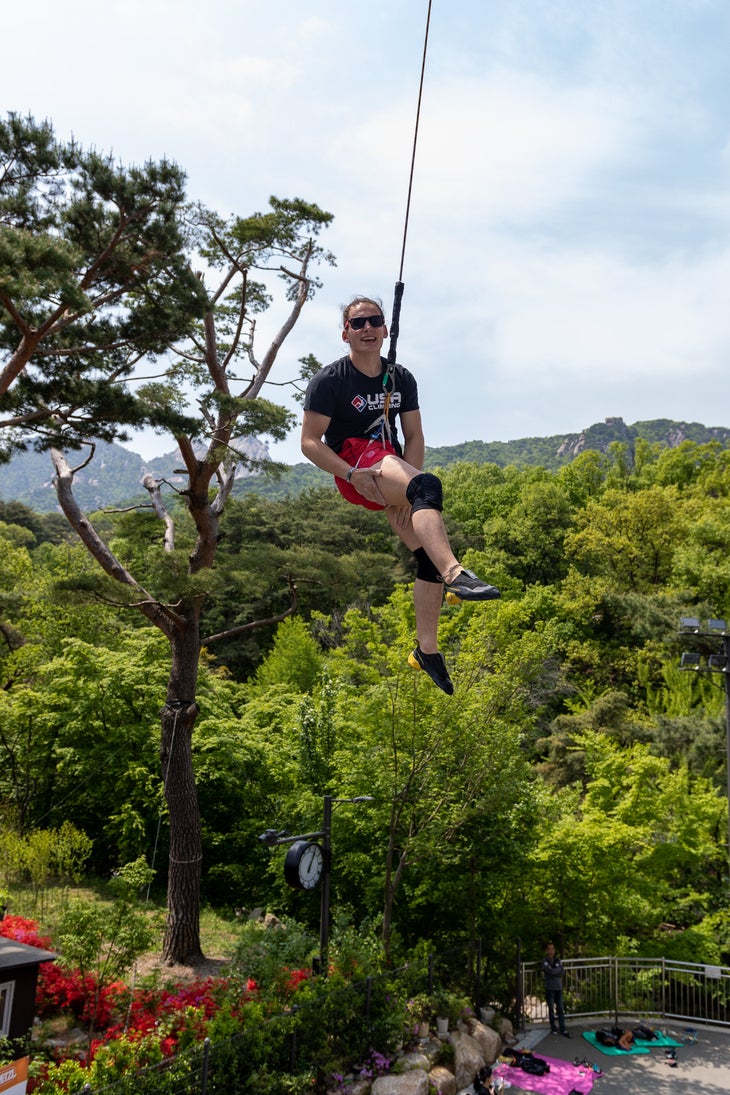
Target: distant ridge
[(554, 452), (114, 477)]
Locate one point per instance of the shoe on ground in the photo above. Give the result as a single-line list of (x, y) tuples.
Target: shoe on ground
[(467, 587), (566, 1034), (555, 1032), (433, 665)]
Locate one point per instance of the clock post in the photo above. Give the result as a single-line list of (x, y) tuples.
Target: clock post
[(308, 864), (324, 903)]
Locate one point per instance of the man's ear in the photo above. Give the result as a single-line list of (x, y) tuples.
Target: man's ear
[(345, 337)]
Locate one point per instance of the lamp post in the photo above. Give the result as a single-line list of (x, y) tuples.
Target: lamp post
[(301, 847), (714, 640)]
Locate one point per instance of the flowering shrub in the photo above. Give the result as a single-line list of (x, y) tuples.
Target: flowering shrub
[(131, 1029), (295, 979), (377, 1064), (24, 931), (61, 990), (173, 1016)]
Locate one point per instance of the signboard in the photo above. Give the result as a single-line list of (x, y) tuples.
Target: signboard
[(14, 1077)]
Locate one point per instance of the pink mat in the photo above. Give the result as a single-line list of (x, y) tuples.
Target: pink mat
[(562, 1078)]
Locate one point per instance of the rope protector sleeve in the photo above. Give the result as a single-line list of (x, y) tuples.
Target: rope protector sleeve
[(394, 328)]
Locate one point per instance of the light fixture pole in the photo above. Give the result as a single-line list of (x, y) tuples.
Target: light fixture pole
[(717, 660), (272, 838)]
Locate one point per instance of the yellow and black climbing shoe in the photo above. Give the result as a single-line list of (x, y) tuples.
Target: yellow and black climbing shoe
[(467, 587), (435, 666)]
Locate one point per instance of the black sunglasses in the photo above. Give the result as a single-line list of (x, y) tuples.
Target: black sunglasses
[(358, 322)]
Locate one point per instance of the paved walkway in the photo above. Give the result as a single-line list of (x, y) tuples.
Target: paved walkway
[(702, 1068)]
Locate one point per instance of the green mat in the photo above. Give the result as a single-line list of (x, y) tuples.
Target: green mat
[(663, 1039), (611, 1051)]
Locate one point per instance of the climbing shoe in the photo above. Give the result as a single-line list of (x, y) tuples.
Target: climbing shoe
[(435, 666), (467, 587)]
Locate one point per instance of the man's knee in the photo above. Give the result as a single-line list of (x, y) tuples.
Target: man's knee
[(425, 570), (425, 492)]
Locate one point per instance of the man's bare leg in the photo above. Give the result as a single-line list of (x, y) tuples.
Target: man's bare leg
[(427, 596), (428, 524)]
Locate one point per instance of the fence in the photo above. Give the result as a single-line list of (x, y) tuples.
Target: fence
[(651, 987)]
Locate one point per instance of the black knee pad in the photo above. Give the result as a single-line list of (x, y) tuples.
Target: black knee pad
[(425, 570), (425, 492)]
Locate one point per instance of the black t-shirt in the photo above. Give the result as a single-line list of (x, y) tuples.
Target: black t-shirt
[(354, 403)]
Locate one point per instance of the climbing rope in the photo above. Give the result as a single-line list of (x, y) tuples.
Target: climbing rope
[(176, 709), (399, 286)]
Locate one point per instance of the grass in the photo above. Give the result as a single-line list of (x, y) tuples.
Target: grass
[(218, 934)]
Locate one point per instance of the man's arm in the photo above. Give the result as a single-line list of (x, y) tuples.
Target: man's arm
[(314, 448), (414, 444), (364, 480)]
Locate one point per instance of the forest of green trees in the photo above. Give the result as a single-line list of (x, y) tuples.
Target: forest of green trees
[(180, 676), (573, 787)]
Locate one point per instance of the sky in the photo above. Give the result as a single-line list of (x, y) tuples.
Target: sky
[(568, 248)]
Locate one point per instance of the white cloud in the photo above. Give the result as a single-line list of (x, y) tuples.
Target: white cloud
[(569, 245)]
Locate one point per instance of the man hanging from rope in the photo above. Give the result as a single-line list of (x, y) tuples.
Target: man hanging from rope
[(349, 430)]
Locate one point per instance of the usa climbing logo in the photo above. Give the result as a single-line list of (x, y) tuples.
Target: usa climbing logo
[(359, 403)]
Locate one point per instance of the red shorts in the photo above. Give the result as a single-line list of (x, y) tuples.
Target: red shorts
[(361, 452)]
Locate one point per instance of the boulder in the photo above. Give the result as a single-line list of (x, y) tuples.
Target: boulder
[(442, 1081), (506, 1029), (468, 1058), (414, 1082), (489, 1041), (413, 1059)]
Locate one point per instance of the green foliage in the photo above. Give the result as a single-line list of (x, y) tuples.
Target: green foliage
[(92, 276), (105, 942), (43, 856), (574, 786), (268, 954)]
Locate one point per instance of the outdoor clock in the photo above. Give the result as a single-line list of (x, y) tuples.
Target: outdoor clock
[(304, 865)]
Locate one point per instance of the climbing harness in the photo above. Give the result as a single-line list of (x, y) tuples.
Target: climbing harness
[(388, 377)]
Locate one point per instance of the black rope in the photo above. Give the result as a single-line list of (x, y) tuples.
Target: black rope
[(398, 295)]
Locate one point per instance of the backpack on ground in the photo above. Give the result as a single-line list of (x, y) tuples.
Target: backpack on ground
[(534, 1066)]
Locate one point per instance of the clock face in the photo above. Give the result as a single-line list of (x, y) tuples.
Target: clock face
[(304, 865), (310, 866)]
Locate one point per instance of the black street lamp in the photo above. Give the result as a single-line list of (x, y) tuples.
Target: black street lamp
[(307, 865), (713, 657)]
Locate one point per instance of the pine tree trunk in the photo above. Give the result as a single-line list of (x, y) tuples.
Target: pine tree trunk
[(182, 932)]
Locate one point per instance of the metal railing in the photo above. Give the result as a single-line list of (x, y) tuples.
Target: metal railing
[(650, 987)]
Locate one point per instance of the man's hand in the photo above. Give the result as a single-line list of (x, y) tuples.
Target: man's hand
[(365, 482)]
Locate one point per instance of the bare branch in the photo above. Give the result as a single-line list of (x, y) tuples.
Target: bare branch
[(236, 340), (158, 614), (89, 458), (151, 485), (226, 486), (234, 632), (269, 359)]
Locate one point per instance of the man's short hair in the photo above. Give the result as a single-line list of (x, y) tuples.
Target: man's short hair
[(375, 301)]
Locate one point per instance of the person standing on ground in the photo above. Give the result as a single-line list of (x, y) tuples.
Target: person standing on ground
[(349, 429), (554, 974)]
